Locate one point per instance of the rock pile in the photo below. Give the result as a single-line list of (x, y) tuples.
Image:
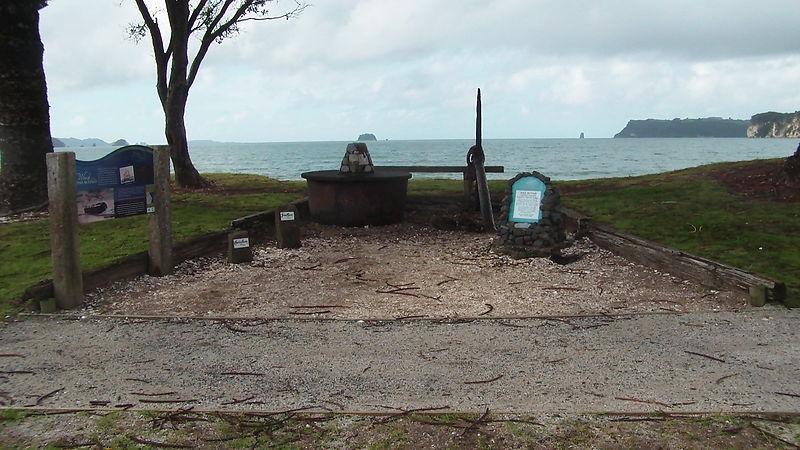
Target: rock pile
[(526, 239)]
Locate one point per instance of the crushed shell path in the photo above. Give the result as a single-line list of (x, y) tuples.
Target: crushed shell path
[(746, 361)]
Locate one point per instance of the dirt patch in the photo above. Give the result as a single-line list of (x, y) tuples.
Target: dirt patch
[(759, 180), (406, 270)]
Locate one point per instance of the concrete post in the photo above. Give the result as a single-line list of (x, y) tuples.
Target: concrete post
[(64, 239), (159, 223)]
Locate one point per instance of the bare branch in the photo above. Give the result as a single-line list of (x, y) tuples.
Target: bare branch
[(196, 13), (161, 56)]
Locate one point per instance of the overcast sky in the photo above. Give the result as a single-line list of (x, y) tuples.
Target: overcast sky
[(409, 69)]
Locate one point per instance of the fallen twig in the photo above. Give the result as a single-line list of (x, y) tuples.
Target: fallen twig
[(258, 374), (410, 317), (171, 400), (49, 394), (561, 288), (788, 394), (11, 355), (491, 308), (16, 372), (553, 361), (156, 394), (721, 379), (99, 402), (398, 292), (298, 313), (485, 381), (449, 279), (475, 422), (236, 401), (652, 402), (705, 356), (314, 267), (773, 435), (317, 306), (349, 258)]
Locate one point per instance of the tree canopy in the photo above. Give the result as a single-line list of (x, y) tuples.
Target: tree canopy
[(212, 21)]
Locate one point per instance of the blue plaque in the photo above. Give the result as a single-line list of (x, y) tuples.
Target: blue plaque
[(527, 194), (115, 185)]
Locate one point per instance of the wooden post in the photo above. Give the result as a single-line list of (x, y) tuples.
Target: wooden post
[(159, 223), (287, 230), (478, 159), (239, 250), (64, 239)]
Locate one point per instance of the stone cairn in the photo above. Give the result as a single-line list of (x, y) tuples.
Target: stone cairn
[(525, 239)]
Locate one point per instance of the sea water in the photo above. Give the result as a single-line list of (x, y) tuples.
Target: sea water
[(560, 159)]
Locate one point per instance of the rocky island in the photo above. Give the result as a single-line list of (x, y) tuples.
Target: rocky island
[(366, 137)]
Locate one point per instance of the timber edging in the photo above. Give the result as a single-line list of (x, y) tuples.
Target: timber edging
[(258, 226), (708, 273)]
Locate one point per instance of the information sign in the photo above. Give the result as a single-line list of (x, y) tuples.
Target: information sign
[(527, 194), (116, 185)]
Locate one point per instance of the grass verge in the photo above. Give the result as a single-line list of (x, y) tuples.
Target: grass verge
[(691, 211)]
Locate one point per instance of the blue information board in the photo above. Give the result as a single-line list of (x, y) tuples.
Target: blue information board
[(527, 194), (116, 185)]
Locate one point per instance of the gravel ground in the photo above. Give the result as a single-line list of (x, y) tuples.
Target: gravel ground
[(407, 270), (724, 361)]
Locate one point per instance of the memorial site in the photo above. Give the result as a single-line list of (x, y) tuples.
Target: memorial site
[(263, 224)]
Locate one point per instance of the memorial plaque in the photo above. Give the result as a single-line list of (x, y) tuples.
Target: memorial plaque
[(116, 185), (527, 194)]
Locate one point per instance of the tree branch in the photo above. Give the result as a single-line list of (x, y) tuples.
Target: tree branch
[(161, 56), (196, 13)]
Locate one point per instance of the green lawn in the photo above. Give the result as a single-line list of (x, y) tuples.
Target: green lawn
[(692, 212)]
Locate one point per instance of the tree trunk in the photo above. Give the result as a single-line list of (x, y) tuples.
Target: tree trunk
[(24, 111), (186, 174)]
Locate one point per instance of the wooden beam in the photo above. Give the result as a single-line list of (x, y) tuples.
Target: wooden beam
[(704, 271), (440, 169)]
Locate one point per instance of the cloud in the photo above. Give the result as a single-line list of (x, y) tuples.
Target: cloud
[(409, 68)]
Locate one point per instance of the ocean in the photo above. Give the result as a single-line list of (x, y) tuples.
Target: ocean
[(560, 159)]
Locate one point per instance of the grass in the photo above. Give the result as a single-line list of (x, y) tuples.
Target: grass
[(692, 212), (25, 246)]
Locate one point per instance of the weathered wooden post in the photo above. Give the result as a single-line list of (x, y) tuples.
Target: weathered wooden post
[(159, 222), (287, 230), (64, 238), (476, 158)]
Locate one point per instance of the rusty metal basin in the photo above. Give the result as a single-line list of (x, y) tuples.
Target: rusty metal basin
[(377, 198)]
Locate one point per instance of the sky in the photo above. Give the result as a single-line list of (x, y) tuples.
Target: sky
[(409, 69)]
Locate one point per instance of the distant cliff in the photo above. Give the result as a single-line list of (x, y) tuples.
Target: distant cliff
[(677, 128), (773, 124), (366, 137)]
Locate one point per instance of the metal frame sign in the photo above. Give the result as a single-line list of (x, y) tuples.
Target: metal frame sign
[(119, 184), (527, 194)]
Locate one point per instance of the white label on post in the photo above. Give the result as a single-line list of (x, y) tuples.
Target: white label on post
[(241, 243), (287, 216)]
